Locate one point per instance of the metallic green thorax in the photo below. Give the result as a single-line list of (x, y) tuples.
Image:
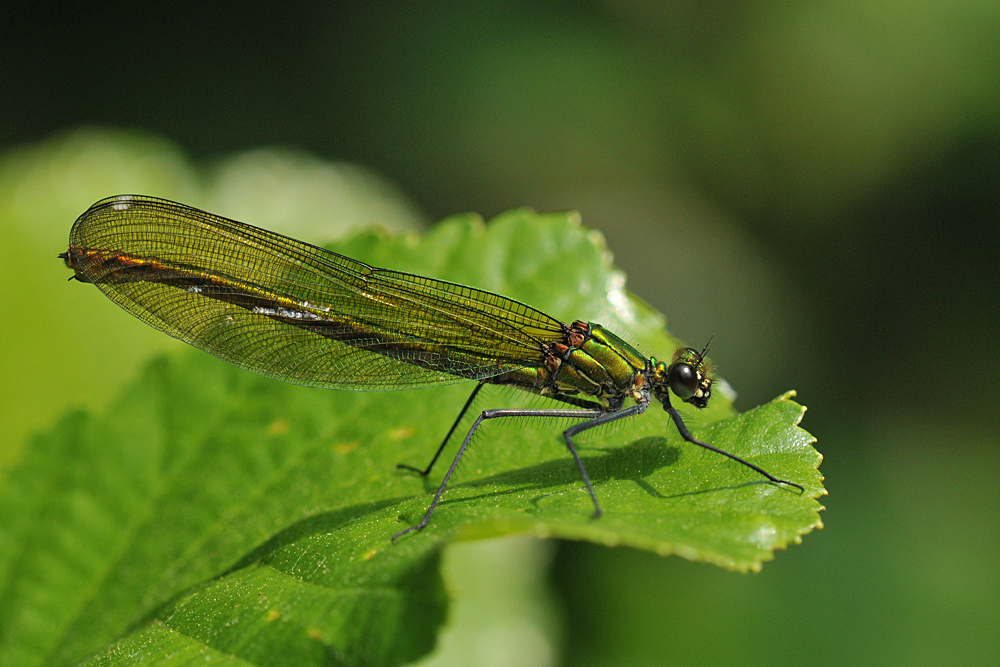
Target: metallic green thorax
[(590, 365), (593, 365)]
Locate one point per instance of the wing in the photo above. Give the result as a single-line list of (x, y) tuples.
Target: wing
[(294, 311)]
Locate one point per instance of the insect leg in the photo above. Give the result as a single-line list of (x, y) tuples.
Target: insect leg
[(686, 434), (592, 415), (601, 418), (426, 471)]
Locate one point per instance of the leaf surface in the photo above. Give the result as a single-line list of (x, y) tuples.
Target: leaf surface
[(215, 514)]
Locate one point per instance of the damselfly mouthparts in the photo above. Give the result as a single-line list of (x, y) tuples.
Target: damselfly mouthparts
[(299, 313)]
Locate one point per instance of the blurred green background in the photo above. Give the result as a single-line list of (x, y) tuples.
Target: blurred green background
[(817, 184)]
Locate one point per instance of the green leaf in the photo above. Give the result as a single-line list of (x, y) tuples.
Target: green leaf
[(215, 514)]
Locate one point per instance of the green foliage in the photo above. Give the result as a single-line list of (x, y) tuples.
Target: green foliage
[(214, 514)]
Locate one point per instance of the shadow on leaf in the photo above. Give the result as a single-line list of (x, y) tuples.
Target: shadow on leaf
[(634, 461)]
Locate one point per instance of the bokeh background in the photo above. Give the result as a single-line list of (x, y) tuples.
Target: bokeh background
[(816, 183)]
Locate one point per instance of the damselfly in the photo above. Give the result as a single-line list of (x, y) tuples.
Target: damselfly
[(299, 313)]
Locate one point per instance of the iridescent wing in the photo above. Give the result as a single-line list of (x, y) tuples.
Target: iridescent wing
[(294, 311)]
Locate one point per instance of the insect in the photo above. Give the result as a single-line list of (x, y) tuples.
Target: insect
[(299, 313)]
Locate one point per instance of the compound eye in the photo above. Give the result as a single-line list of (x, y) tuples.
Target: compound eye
[(683, 380)]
